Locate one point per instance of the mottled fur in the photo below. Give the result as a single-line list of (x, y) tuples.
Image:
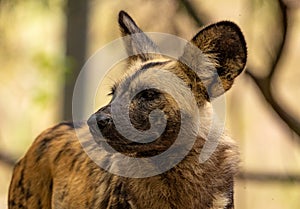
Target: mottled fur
[(57, 173)]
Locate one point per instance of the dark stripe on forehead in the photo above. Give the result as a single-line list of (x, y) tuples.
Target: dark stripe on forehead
[(147, 66), (142, 69), (153, 64)]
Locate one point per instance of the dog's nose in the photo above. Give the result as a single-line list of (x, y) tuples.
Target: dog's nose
[(101, 118)]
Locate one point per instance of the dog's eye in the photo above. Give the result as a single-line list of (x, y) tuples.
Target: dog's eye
[(149, 94)]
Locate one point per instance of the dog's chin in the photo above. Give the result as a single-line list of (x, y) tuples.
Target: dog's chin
[(109, 140), (99, 135), (108, 136)]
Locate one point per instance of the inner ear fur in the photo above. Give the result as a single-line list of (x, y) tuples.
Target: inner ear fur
[(225, 48)]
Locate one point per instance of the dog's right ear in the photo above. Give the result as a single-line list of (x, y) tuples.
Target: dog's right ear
[(138, 44)]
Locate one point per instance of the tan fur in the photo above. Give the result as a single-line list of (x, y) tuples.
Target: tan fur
[(57, 173)]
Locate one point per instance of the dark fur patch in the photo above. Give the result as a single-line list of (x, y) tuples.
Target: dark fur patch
[(42, 148)]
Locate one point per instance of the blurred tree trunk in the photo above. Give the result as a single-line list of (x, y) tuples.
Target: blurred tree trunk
[(7, 159), (77, 12)]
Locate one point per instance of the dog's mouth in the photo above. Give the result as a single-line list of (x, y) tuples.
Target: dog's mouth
[(103, 130)]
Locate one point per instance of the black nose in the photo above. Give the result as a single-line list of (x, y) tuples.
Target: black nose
[(101, 118)]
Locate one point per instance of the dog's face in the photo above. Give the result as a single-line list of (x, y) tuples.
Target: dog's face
[(144, 99), (140, 94)]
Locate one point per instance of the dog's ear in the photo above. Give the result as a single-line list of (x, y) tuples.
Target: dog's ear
[(224, 53), (137, 43)]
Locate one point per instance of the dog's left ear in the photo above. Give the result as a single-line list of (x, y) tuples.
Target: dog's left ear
[(137, 43), (224, 46)]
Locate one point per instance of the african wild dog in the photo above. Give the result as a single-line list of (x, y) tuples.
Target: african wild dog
[(57, 173)]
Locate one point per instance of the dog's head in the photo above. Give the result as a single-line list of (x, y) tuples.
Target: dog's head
[(156, 82)]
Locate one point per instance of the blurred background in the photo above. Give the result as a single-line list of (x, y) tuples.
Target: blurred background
[(44, 44)]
